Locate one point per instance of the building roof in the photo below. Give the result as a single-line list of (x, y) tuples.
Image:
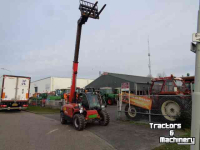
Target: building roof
[(131, 78), (59, 77)]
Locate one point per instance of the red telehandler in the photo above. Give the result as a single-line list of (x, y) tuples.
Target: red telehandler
[(84, 107)]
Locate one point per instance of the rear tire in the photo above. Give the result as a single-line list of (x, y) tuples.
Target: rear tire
[(79, 122), (132, 112), (105, 118), (170, 109), (110, 101), (62, 118)]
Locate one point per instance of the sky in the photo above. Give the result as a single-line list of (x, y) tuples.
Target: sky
[(37, 38)]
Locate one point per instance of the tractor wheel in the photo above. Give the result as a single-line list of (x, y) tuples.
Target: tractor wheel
[(62, 118), (109, 101), (105, 118), (132, 112), (171, 108), (79, 122)]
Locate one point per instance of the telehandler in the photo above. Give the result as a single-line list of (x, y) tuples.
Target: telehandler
[(85, 107)]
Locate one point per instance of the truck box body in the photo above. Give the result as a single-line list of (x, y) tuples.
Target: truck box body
[(14, 92)]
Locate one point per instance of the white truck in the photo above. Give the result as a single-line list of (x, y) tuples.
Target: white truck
[(14, 92)]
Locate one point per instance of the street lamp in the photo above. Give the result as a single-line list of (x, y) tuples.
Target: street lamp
[(6, 70)]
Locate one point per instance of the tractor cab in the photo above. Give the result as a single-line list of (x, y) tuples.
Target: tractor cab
[(168, 86), (90, 101), (117, 90), (89, 89), (108, 95), (106, 90)]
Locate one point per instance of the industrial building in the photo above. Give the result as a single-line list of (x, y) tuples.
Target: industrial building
[(52, 83), (138, 85)]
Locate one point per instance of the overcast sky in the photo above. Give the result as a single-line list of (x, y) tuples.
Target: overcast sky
[(37, 38)]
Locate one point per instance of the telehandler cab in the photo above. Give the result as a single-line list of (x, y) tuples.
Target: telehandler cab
[(84, 107)]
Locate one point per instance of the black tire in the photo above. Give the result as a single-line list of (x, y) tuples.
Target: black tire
[(79, 122), (171, 108), (62, 118), (105, 118), (132, 113)]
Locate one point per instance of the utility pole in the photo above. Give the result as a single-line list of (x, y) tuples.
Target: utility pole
[(195, 128), (149, 55)]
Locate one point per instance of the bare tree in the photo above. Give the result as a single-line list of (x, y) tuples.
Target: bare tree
[(150, 76), (160, 75)]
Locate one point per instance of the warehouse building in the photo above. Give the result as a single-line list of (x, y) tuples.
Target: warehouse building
[(50, 84), (138, 85)]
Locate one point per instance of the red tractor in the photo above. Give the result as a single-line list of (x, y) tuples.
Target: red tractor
[(170, 97), (85, 107)]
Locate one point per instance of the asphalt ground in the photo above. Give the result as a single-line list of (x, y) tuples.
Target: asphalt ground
[(125, 135), (28, 131)]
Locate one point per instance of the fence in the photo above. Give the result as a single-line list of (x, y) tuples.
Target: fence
[(168, 108), (55, 104)]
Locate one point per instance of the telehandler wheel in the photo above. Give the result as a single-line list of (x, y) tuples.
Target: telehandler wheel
[(132, 112), (62, 118), (79, 122), (105, 118), (171, 108)]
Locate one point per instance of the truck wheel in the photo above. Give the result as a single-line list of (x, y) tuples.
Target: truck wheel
[(110, 101), (170, 108), (62, 118), (105, 118), (79, 122), (132, 112)]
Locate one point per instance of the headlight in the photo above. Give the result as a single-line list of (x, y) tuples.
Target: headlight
[(80, 105), (81, 110), (102, 106)]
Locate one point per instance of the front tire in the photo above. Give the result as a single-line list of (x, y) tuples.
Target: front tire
[(79, 122), (170, 109), (105, 118), (132, 112), (62, 118)]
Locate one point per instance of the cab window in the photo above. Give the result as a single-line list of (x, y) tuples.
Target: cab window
[(84, 101), (169, 86), (157, 87)]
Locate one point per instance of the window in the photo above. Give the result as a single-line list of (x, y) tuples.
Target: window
[(157, 86), (93, 101), (169, 86), (36, 89), (188, 86), (83, 99), (180, 85)]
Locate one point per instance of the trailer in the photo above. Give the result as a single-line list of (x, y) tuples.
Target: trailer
[(14, 92)]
